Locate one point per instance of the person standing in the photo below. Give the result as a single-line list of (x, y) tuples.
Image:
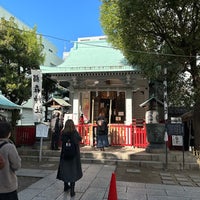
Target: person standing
[(81, 119), (12, 162), (56, 127), (70, 170), (81, 123), (102, 132)]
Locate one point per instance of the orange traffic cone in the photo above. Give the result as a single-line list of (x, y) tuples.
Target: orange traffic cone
[(112, 195)]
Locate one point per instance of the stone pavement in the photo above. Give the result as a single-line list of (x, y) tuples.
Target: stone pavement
[(95, 183)]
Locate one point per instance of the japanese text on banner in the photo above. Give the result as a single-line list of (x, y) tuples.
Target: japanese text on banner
[(37, 93)]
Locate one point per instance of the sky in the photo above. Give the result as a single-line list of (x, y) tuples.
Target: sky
[(66, 20)]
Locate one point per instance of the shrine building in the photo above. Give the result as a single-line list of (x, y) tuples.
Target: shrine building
[(100, 79)]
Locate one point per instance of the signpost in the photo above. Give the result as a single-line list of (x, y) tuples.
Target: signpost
[(42, 130), (176, 131)]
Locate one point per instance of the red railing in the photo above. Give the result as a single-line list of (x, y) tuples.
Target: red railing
[(139, 137), (84, 130), (139, 133), (25, 135), (119, 134)]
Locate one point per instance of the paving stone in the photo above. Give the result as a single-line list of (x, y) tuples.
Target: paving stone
[(29, 193), (130, 185), (168, 182), (193, 176), (133, 170), (65, 196), (100, 183), (33, 172), (191, 190), (156, 192), (184, 179), (47, 165), (165, 174), (165, 198), (179, 175), (51, 192), (93, 194), (121, 196), (186, 183), (154, 186), (131, 196), (136, 190), (177, 193), (196, 180), (166, 178), (82, 185)]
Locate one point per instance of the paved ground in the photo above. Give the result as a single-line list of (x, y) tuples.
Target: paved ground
[(95, 185), (37, 182), (127, 174), (169, 177)]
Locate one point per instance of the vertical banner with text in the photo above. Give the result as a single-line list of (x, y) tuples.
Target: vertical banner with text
[(37, 95)]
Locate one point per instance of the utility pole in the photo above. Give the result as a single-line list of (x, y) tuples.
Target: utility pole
[(165, 115)]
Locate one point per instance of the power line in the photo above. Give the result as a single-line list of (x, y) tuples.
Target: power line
[(38, 34), (54, 37), (102, 46)]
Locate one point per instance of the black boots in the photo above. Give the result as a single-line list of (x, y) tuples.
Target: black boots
[(71, 188), (66, 187), (72, 193)]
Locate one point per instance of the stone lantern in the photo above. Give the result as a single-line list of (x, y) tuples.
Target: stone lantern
[(154, 127)]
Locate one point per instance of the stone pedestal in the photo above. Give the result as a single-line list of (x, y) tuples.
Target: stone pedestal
[(155, 137)]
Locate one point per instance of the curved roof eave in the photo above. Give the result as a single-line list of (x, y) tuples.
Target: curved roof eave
[(7, 104), (50, 70)]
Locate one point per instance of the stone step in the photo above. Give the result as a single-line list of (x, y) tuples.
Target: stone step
[(173, 156), (127, 157), (127, 163)]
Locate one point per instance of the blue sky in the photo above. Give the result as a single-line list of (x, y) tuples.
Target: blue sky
[(64, 19)]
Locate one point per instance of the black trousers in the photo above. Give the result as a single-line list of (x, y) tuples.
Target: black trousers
[(9, 196), (55, 140)]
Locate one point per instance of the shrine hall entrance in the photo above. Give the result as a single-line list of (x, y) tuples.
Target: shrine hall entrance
[(112, 103)]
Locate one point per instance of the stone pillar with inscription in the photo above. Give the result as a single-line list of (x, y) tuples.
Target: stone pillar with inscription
[(37, 95)]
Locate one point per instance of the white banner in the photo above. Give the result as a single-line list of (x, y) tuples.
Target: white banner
[(42, 130), (37, 94)]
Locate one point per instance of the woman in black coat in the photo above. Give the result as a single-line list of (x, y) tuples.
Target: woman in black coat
[(70, 170)]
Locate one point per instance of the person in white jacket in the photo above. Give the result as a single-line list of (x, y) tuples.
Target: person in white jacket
[(12, 162)]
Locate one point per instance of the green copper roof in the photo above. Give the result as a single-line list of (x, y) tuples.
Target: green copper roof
[(91, 55), (7, 104)]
